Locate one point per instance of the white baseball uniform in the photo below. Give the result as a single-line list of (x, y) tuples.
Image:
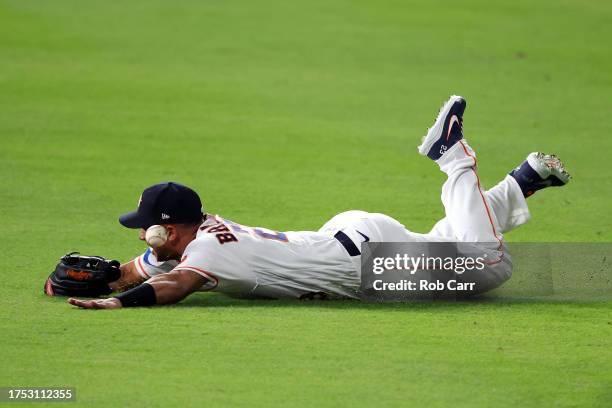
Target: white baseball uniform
[(250, 262)]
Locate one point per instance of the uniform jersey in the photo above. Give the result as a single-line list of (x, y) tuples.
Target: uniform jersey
[(256, 262)]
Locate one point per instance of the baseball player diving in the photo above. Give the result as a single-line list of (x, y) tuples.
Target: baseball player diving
[(190, 250)]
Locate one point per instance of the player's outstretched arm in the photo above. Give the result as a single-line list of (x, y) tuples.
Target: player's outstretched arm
[(176, 285), (161, 289), (128, 279)]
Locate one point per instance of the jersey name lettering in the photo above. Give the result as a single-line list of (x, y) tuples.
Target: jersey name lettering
[(222, 233)]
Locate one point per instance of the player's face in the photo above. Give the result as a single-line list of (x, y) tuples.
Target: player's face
[(164, 253)]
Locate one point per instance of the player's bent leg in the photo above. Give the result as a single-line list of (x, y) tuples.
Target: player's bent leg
[(508, 197), (467, 209), (478, 217), (540, 171), (470, 219), (508, 201), (508, 204)]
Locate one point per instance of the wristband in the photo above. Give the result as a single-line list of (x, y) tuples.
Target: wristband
[(142, 295)]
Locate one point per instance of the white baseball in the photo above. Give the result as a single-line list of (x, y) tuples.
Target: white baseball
[(156, 236)]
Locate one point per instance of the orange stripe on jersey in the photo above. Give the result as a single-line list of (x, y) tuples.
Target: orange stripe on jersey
[(199, 271), (140, 267), (484, 201)]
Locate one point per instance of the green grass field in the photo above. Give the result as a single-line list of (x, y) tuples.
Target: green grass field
[(282, 114)]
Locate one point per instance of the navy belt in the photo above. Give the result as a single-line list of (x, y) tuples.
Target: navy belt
[(347, 243)]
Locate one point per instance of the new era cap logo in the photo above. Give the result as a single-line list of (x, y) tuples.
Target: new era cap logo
[(165, 216)]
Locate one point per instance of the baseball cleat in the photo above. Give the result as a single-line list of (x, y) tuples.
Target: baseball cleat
[(447, 129), (540, 171)]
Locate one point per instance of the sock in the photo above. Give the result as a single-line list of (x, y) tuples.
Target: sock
[(528, 179)]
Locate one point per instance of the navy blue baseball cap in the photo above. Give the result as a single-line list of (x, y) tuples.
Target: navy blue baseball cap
[(165, 203)]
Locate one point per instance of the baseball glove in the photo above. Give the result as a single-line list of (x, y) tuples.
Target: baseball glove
[(79, 275)]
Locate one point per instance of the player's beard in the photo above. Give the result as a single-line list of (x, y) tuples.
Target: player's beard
[(164, 254)]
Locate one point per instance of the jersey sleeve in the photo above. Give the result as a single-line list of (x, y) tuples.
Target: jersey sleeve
[(147, 265), (195, 259)]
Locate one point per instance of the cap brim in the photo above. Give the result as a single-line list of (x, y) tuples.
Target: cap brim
[(134, 220)]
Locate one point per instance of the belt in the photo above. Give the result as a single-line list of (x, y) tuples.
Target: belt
[(347, 243)]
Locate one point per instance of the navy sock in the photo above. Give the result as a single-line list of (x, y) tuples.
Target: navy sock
[(528, 179)]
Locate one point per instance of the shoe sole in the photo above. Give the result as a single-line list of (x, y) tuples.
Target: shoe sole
[(547, 165), (434, 133)]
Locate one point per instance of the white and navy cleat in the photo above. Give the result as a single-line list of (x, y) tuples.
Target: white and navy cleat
[(540, 171), (447, 129)]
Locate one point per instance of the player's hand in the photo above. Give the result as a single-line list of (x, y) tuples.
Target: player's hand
[(110, 303)]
